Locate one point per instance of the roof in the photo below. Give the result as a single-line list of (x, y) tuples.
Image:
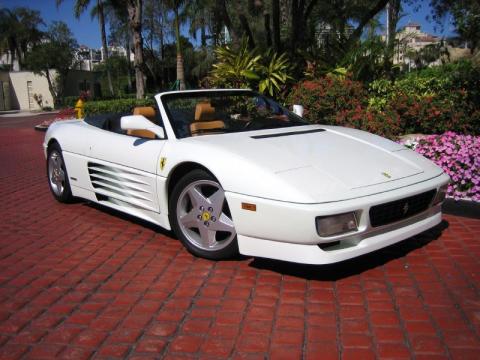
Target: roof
[(413, 24)]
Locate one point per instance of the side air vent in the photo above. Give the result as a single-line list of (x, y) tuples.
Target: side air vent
[(121, 187), (287, 134)]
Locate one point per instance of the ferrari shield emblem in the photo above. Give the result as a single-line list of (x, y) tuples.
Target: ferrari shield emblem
[(163, 161), (387, 175)]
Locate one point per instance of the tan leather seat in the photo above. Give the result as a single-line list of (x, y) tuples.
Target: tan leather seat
[(205, 120), (149, 113)]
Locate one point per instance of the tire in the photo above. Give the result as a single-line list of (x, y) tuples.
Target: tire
[(200, 217), (57, 175)]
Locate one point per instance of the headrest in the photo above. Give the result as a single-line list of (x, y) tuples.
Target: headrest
[(147, 111), (204, 112)]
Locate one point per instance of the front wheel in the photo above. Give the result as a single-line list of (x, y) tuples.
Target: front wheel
[(200, 217), (57, 175)]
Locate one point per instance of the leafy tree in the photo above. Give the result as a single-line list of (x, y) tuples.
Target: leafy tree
[(57, 51), (98, 11), (120, 32), (466, 18), (119, 70), (19, 29)]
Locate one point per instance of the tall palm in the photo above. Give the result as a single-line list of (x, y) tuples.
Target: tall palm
[(79, 7), (8, 39), (18, 31), (176, 6), (134, 8)]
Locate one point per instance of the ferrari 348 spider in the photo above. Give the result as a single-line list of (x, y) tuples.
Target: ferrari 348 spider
[(231, 171)]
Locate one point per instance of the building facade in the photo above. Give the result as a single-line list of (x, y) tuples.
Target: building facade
[(24, 90)]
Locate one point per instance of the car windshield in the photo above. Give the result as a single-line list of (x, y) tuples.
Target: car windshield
[(214, 112)]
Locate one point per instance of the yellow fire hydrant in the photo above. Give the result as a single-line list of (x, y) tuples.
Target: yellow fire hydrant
[(79, 105)]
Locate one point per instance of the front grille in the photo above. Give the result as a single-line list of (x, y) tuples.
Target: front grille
[(400, 209)]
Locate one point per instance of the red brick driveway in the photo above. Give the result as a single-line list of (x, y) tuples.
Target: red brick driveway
[(78, 281)]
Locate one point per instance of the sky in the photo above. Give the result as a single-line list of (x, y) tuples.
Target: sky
[(87, 32)]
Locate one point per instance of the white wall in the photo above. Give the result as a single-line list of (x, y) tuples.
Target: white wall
[(19, 90)]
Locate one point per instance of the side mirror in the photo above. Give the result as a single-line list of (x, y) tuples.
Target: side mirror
[(140, 122), (298, 110)]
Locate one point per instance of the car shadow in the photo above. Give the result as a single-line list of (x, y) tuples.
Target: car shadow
[(130, 218), (356, 266)]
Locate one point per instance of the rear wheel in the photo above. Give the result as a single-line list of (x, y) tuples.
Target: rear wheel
[(200, 217), (57, 175)]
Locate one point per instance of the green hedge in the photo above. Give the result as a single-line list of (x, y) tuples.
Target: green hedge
[(115, 106)]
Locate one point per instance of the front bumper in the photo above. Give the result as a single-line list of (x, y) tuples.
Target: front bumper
[(287, 231)]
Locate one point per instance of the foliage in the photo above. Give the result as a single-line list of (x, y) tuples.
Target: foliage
[(244, 68), (324, 98), (430, 101), (465, 17), (115, 106), (274, 74), (459, 157), (67, 113), (19, 30), (337, 101), (119, 70), (433, 100), (235, 68), (56, 52)]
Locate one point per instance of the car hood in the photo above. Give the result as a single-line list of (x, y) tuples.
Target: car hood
[(320, 162)]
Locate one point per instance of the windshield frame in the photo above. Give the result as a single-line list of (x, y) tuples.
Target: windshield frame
[(223, 92)]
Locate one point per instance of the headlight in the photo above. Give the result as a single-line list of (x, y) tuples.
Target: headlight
[(336, 224), (441, 194)]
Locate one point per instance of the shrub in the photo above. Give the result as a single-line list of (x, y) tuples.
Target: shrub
[(245, 68), (115, 106), (383, 123), (459, 156), (433, 100), (324, 98), (431, 115), (67, 113)]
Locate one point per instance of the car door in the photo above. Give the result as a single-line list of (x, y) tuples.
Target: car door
[(122, 170)]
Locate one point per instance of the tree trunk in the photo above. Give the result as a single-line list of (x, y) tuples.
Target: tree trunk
[(129, 65), (51, 88), (162, 56), (276, 25), (392, 18), (222, 13), (101, 21), (180, 68), (246, 30), (268, 31), (135, 20)]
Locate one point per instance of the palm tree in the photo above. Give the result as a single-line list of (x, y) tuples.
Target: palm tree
[(18, 31), (177, 6), (79, 7), (8, 39), (134, 8)]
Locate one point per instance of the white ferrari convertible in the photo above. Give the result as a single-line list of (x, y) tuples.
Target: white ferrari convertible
[(231, 171)]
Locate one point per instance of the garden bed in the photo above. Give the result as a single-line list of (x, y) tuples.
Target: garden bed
[(458, 155)]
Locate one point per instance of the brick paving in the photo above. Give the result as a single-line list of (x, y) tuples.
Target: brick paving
[(80, 281)]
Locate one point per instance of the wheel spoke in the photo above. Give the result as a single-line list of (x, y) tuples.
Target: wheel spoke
[(190, 220), (223, 223), (196, 197), (207, 236), (62, 175), (217, 199)]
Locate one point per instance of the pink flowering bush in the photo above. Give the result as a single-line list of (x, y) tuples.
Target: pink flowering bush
[(459, 156)]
